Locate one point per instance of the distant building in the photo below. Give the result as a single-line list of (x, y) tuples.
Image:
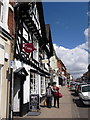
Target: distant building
[(62, 72), (58, 70)]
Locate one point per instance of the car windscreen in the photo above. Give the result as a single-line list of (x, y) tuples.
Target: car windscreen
[(86, 89)]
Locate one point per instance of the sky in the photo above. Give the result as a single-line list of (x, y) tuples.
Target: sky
[(69, 29)]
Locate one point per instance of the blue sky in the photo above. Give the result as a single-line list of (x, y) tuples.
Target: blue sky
[(69, 29), (68, 20)]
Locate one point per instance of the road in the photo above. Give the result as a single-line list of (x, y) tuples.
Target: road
[(83, 110)]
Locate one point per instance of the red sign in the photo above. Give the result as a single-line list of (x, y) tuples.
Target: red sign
[(28, 47)]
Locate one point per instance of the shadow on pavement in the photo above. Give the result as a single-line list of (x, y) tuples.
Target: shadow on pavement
[(71, 90), (43, 106), (74, 94), (79, 103)]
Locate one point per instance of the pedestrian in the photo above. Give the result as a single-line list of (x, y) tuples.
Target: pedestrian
[(56, 94), (49, 95)]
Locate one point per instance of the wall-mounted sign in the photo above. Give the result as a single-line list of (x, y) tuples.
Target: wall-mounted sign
[(28, 47), (45, 61), (11, 64)]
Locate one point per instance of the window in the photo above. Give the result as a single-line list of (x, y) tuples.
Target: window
[(34, 83), (35, 52), (86, 89), (42, 85), (46, 82), (25, 34), (1, 6)]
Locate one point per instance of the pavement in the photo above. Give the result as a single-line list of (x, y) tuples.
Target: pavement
[(67, 108)]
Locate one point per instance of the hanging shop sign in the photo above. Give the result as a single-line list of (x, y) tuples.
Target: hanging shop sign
[(28, 47)]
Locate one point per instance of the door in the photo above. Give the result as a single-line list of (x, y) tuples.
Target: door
[(60, 81)]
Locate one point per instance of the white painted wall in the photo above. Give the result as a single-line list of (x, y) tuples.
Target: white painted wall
[(26, 89), (53, 62)]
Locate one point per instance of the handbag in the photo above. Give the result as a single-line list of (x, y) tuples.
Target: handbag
[(60, 95)]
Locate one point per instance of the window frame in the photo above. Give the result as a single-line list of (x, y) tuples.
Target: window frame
[(1, 11)]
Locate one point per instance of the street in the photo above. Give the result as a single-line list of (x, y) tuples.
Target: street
[(70, 107), (82, 109)]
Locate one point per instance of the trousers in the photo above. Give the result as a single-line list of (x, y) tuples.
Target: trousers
[(49, 101), (56, 99)]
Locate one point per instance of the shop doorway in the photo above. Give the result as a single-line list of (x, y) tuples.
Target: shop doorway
[(19, 78), (60, 81)]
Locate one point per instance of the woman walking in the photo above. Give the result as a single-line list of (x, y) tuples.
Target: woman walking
[(56, 94)]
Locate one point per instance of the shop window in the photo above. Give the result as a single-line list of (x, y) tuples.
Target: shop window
[(42, 85), (46, 82), (34, 83)]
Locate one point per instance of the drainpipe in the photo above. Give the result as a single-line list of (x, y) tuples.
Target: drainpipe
[(11, 96)]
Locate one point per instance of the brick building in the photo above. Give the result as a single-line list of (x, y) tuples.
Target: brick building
[(62, 72)]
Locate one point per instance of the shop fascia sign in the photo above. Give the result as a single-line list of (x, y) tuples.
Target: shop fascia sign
[(28, 47)]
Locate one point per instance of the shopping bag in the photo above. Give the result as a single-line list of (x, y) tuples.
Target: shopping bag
[(44, 102), (60, 95)]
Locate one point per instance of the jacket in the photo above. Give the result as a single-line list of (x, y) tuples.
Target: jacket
[(56, 92)]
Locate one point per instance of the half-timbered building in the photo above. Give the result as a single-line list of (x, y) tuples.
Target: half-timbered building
[(31, 74)]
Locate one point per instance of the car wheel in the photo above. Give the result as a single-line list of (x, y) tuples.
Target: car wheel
[(81, 101)]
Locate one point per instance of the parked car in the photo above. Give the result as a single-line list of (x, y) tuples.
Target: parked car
[(87, 81), (72, 85), (78, 87), (84, 94)]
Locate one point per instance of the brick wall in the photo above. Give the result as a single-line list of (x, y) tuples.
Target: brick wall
[(11, 21)]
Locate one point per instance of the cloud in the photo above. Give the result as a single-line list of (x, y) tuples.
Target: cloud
[(87, 33), (76, 60)]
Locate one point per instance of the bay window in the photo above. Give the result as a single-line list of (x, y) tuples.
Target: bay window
[(34, 83)]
